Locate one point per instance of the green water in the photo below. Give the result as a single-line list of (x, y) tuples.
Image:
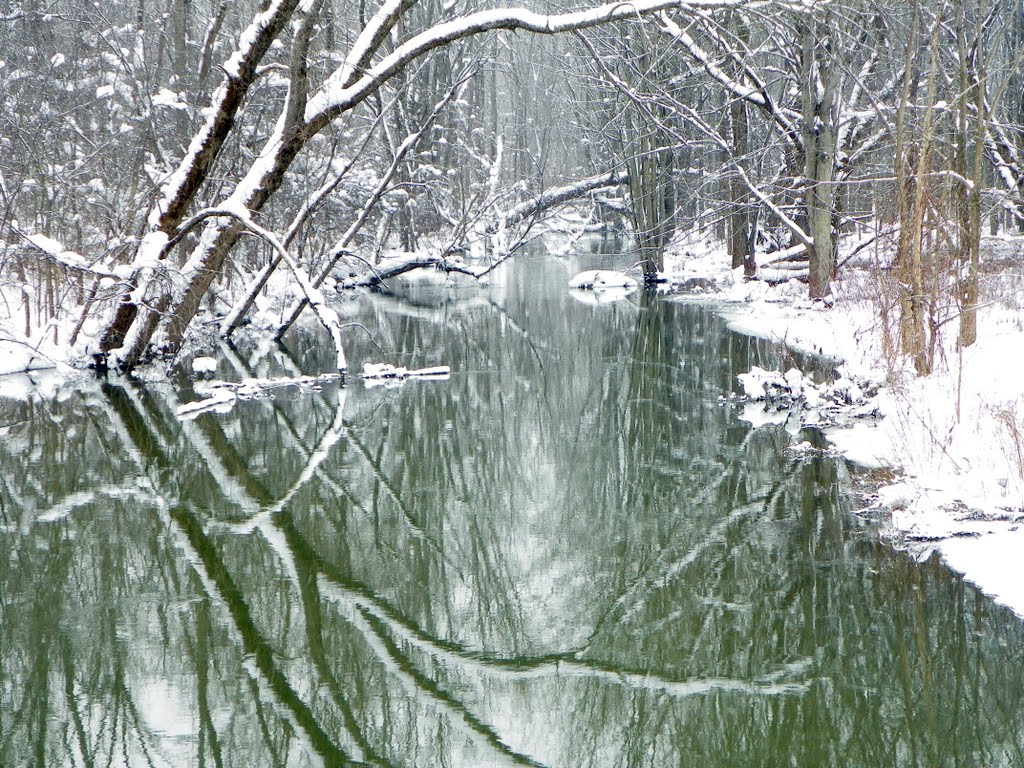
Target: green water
[(569, 554)]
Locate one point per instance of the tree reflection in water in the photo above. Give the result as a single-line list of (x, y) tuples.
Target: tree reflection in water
[(571, 554)]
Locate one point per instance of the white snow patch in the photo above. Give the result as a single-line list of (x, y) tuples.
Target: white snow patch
[(796, 400), (168, 98), (387, 375), (203, 365), (47, 244), (602, 279), (993, 563)]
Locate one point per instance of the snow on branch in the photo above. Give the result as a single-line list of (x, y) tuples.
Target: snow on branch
[(756, 191), (234, 318), (788, 222), (336, 95), (369, 40), (221, 396), (240, 70), (325, 314), (55, 251), (758, 96), (1005, 160), (340, 248), (557, 196)]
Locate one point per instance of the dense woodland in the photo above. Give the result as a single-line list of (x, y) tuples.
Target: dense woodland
[(163, 164)]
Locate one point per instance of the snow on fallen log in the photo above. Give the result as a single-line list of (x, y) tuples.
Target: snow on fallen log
[(404, 263), (383, 374), (557, 196), (601, 286), (601, 279), (221, 396)]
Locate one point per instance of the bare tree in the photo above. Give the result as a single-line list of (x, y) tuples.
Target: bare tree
[(166, 297)]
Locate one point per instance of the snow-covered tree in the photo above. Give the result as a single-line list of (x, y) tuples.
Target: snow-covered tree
[(165, 288), (162, 160)]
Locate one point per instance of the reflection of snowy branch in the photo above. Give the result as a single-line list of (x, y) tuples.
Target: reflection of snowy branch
[(220, 587), (417, 529), (259, 510), (384, 621), (296, 442), (131, 490), (372, 626), (329, 439), (313, 461), (669, 563)]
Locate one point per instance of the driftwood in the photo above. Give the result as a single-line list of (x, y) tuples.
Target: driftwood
[(221, 396)]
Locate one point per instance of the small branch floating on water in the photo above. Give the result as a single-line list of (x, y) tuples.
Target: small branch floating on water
[(377, 374), (221, 396)]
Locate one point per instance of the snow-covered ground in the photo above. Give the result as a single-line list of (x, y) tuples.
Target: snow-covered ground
[(36, 351), (955, 438)]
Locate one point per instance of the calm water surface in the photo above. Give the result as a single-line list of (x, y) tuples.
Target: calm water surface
[(570, 554)]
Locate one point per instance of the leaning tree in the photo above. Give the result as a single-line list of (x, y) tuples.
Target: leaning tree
[(165, 285)]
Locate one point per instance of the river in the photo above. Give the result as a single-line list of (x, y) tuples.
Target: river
[(571, 553)]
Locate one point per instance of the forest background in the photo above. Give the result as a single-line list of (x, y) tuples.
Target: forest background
[(163, 161)]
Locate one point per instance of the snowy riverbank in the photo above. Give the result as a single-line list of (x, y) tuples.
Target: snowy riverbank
[(955, 438)]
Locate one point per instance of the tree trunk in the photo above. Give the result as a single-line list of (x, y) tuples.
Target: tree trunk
[(912, 165), (741, 236), (820, 81), (973, 81), (180, 190), (652, 191)]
